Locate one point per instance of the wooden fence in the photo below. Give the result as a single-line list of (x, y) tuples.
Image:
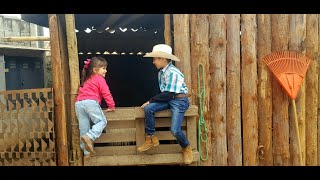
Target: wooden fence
[(248, 114)]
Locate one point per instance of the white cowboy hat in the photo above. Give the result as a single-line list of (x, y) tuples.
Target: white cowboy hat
[(162, 51)]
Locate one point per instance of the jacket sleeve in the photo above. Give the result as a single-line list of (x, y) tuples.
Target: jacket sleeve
[(106, 94), (162, 97)]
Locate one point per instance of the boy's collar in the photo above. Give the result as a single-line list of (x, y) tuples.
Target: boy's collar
[(165, 68)]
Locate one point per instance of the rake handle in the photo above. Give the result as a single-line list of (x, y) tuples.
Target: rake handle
[(297, 129)]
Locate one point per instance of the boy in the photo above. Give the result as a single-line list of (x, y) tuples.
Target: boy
[(173, 95)]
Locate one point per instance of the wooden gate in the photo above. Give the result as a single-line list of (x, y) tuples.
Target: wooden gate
[(27, 135)]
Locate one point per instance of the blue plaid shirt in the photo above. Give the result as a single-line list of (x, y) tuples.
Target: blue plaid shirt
[(172, 80)]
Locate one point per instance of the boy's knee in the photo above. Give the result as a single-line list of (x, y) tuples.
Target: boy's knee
[(147, 109)]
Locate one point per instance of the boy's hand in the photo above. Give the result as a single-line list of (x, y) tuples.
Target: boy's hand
[(109, 110), (145, 104)]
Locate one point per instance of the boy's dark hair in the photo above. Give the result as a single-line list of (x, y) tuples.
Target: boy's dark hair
[(96, 62)]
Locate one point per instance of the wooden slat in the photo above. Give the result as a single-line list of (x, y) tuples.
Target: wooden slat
[(166, 135), (166, 122), (121, 114), (117, 135), (120, 124), (129, 160), (165, 149), (140, 133), (115, 150)]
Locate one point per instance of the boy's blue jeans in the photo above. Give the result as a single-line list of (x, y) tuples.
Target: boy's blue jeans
[(90, 113), (178, 107)]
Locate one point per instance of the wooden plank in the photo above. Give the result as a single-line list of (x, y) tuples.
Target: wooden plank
[(120, 114), (164, 149), (166, 122), (249, 89), (26, 38), (182, 46), (264, 91), (120, 124), (192, 111), (129, 160), (118, 135), (233, 89), (59, 98), (279, 32), (166, 135), (74, 85), (115, 150), (312, 90), (199, 33), (217, 84), (167, 29), (297, 28)]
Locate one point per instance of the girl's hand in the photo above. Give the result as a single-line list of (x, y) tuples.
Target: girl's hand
[(145, 104), (109, 110)]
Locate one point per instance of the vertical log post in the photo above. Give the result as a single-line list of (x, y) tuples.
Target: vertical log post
[(74, 85), (218, 101), (167, 30), (59, 88), (182, 46), (233, 114), (280, 31), (312, 91), (249, 89), (297, 35), (200, 54), (264, 91)]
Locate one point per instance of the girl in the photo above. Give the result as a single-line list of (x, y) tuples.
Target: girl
[(92, 89)]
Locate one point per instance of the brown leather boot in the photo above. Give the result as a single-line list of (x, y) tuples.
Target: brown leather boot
[(88, 144), (187, 155), (150, 141)]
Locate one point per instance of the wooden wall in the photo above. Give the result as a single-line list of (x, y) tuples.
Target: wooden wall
[(248, 115)]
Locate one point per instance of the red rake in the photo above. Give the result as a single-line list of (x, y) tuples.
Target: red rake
[(289, 68)]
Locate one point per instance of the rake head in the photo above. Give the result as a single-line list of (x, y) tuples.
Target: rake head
[(290, 68)]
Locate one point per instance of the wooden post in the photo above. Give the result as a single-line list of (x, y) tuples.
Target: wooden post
[(217, 84), (312, 91), (167, 30), (281, 156), (200, 54), (264, 91), (233, 113), (182, 46), (59, 98), (249, 89), (74, 85), (297, 28)]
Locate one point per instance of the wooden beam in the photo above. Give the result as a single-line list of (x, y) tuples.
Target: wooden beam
[(233, 90), (297, 28), (181, 43), (312, 90), (249, 89), (74, 85), (200, 55), (281, 156), (216, 81), (27, 38), (167, 29), (59, 97), (264, 91)]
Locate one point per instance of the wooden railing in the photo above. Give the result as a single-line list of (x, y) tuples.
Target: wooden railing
[(125, 132)]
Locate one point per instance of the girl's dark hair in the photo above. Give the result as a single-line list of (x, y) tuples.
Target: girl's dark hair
[(96, 62)]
